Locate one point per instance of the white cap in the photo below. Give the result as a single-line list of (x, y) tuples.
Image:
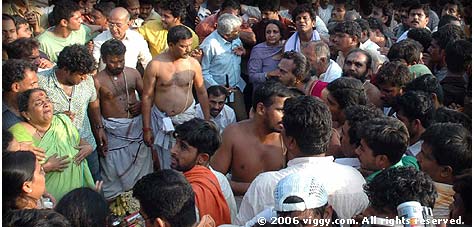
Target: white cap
[(304, 186)]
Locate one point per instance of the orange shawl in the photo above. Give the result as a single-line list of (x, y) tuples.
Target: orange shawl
[(208, 194)]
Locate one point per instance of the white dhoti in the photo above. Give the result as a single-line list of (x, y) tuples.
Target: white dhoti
[(164, 140), (128, 158)]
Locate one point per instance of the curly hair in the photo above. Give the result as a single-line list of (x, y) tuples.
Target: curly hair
[(166, 194), (351, 28), (14, 72), (355, 115), (304, 8), (416, 105), (347, 92), (394, 73), (77, 59), (394, 186), (427, 83), (22, 48)]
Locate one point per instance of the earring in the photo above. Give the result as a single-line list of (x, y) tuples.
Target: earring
[(30, 191), (28, 119)]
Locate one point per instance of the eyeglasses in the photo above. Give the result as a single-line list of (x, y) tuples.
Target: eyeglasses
[(118, 25)]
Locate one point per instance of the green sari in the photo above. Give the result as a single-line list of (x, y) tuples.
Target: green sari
[(61, 139)]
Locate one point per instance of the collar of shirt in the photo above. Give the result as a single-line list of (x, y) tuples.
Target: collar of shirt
[(310, 160), (221, 39), (414, 149)]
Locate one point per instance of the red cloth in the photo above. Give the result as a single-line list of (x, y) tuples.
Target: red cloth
[(208, 195), (317, 88)]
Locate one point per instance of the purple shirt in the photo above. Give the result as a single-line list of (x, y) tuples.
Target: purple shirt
[(263, 59)]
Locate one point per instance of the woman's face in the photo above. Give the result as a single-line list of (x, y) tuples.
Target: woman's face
[(272, 34), (40, 109), (37, 186)]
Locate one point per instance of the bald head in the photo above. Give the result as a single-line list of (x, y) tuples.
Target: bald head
[(119, 21), (120, 13)]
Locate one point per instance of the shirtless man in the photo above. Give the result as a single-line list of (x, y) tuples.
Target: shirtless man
[(254, 146), (124, 160), (167, 94)]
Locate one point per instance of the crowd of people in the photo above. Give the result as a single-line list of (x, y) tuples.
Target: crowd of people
[(236, 113)]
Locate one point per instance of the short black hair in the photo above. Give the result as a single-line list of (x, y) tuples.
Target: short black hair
[(84, 207), (231, 4), (458, 56), (351, 28), (450, 145), (112, 47), (421, 35), (269, 5), (77, 59), (14, 71), (347, 92), (166, 194), (394, 186), (417, 105), (104, 7), (176, 7), (267, 91), (407, 50), (375, 23), (386, 136), (308, 120), (22, 48), (63, 9), (427, 83), (303, 8), (355, 115), (394, 73), (201, 134), (177, 33), (216, 90), (418, 5), (448, 33), (445, 115), (35, 217)]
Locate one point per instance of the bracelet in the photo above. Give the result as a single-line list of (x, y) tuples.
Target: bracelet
[(99, 126), (146, 129)]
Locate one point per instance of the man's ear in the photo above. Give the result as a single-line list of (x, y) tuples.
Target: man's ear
[(446, 171), (159, 222), (260, 110), (15, 87), (417, 124), (382, 161), (63, 23), (202, 158)]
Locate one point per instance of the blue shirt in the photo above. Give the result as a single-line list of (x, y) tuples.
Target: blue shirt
[(219, 60), (8, 117)]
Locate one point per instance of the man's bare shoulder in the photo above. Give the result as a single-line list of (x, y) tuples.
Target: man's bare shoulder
[(132, 72), (238, 129)]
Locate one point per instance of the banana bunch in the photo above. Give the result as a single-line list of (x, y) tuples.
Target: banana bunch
[(119, 207)]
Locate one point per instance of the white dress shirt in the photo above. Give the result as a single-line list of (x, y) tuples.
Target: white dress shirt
[(137, 49), (333, 72), (224, 118)]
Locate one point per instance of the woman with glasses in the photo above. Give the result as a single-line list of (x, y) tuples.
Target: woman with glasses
[(58, 137)]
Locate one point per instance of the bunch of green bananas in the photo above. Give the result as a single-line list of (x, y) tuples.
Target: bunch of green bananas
[(119, 207)]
